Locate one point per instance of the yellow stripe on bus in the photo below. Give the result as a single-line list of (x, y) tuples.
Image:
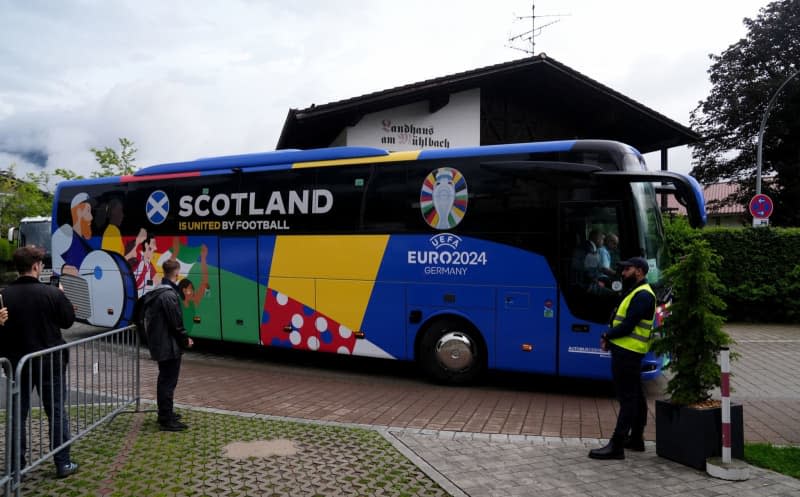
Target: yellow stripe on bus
[(333, 274), (392, 157)]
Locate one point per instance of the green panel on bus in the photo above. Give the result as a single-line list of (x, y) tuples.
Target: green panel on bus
[(239, 300)]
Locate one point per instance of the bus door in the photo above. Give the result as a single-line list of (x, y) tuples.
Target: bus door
[(238, 281), (590, 287), (526, 329)]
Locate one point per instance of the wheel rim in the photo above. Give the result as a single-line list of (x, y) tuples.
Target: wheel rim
[(455, 351)]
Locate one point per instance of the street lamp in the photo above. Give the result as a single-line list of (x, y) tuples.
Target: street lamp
[(761, 130)]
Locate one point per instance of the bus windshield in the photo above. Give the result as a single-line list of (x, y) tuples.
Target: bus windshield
[(35, 233), (650, 231)]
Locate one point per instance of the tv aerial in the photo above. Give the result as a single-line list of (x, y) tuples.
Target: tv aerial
[(530, 36)]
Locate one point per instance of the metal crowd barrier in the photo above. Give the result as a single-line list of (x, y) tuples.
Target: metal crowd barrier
[(100, 380), (6, 383)]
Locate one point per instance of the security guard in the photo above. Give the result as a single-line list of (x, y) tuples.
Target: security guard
[(628, 339)]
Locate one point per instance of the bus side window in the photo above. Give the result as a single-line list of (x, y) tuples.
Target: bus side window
[(347, 185), (386, 202)]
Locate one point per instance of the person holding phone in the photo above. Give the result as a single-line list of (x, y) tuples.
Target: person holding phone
[(3, 312), (36, 313)]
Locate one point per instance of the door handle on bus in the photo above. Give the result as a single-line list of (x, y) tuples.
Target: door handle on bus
[(580, 328)]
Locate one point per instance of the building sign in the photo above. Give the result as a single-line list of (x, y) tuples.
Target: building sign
[(414, 127)]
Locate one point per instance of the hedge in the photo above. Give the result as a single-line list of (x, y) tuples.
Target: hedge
[(760, 269), (6, 250)]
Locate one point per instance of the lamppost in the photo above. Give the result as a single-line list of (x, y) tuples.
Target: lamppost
[(761, 130)]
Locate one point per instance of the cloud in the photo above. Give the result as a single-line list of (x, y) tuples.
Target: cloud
[(185, 79)]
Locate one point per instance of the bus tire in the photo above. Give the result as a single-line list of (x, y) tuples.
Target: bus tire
[(452, 352)]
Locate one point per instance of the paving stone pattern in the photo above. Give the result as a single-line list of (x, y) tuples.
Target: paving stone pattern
[(482, 465), (330, 461)]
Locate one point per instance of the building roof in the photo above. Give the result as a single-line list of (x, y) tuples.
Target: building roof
[(713, 194), (595, 110)]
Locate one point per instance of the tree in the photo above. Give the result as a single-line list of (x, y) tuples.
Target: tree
[(31, 196), (22, 197), (113, 164), (744, 78), (692, 334)]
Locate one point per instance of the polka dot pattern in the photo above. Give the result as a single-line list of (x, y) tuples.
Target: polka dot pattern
[(307, 328)]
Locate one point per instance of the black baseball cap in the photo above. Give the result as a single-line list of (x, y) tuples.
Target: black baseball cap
[(638, 262)]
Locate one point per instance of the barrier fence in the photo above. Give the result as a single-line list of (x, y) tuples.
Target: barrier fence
[(67, 391), (6, 383)]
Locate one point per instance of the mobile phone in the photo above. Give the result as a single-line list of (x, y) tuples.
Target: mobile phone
[(1, 301), (55, 280)]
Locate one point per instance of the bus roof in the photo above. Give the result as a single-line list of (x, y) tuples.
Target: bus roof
[(278, 157), (35, 219), (287, 158)]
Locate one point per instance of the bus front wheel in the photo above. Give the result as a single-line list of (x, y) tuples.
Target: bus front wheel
[(451, 352)]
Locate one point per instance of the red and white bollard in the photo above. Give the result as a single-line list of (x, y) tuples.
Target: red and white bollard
[(724, 468), (725, 388)]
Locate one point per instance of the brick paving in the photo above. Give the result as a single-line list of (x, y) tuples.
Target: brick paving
[(764, 382), (513, 435)]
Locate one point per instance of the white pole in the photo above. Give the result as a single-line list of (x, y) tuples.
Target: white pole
[(724, 467), (725, 364)]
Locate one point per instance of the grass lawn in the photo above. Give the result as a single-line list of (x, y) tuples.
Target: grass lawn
[(785, 460)]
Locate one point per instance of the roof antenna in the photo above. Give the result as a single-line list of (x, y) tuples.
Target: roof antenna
[(534, 31)]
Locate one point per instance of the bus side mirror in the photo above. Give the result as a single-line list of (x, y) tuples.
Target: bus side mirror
[(12, 233)]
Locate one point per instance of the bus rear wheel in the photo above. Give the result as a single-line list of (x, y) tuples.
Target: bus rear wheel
[(451, 352)]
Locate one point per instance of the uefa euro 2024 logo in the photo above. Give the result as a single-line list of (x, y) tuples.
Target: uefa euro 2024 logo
[(443, 198)]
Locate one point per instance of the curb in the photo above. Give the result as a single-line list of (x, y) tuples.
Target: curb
[(448, 485)]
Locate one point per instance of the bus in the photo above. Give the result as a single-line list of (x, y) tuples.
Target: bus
[(35, 230), (462, 259)]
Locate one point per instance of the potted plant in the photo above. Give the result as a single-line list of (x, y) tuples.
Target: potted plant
[(689, 424)]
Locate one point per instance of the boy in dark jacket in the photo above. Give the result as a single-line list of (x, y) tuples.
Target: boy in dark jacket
[(163, 324)]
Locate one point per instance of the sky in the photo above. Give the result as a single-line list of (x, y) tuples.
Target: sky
[(185, 79)]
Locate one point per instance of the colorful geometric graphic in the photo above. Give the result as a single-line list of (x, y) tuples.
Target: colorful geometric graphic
[(443, 198), (288, 323)]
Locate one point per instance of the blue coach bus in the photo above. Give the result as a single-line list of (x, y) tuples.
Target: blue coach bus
[(460, 259)]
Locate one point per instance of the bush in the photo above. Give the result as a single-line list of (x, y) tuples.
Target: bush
[(759, 270), (6, 251), (678, 233)]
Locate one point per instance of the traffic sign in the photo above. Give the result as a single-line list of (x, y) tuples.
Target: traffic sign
[(761, 206)]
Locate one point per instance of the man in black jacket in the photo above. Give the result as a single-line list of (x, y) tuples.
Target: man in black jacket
[(163, 324), (36, 314)]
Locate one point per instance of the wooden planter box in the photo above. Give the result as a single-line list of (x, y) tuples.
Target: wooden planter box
[(690, 436)]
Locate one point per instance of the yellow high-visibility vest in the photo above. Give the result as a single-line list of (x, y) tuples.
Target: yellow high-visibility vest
[(639, 340)]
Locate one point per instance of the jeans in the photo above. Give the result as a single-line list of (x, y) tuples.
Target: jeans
[(168, 372), (48, 374)]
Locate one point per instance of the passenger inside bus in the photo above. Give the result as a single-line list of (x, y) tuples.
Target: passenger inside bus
[(609, 256)]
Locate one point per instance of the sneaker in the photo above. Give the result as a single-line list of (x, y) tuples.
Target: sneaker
[(66, 470), (172, 425)]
